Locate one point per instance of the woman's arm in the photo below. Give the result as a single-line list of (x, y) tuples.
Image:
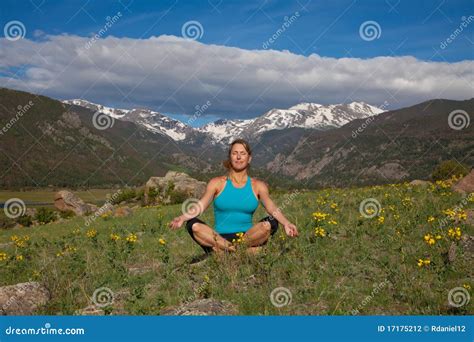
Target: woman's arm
[(274, 211), (193, 208)]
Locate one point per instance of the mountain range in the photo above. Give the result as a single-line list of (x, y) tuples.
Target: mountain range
[(56, 143)]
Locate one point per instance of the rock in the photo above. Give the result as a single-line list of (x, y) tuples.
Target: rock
[(182, 183), (470, 217), (22, 298), (31, 212), (123, 212), (91, 310), (452, 252), (202, 307), (465, 184), (419, 182), (65, 200), (138, 269), (467, 242)]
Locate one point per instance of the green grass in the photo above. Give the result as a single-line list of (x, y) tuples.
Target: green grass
[(361, 263), (47, 196)]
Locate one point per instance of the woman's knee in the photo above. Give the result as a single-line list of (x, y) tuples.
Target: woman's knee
[(273, 223)]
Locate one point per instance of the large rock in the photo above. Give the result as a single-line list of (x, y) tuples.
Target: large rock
[(22, 298), (182, 183), (123, 212), (65, 200), (466, 184), (202, 307)]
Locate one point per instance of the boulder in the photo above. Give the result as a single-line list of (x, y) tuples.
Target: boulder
[(202, 307), (22, 298), (465, 184), (65, 200), (182, 183)]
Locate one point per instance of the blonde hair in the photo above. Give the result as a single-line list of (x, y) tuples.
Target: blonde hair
[(227, 163)]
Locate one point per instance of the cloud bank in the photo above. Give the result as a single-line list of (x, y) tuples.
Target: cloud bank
[(175, 75)]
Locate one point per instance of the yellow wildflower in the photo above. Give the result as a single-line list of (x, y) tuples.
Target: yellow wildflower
[(430, 219), (318, 216), (114, 237), (381, 219), (162, 241), (3, 256), (19, 257), (425, 262), (91, 233), (132, 238), (454, 233), (320, 232), (466, 286)]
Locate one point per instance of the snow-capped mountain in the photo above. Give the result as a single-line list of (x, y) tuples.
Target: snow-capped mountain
[(305, 115), (152, 121)]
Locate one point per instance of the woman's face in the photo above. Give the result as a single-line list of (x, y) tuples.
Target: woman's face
[(239, 157)]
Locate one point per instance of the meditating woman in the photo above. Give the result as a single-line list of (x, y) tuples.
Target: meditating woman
[(236, 197)]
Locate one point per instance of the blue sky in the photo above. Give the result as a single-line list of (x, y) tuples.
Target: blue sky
[(328, 29)]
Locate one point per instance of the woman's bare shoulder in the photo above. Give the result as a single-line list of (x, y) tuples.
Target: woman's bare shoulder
[(217, 180)]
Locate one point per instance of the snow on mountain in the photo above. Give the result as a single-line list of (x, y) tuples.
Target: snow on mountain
[(305, 115), (152, 121)]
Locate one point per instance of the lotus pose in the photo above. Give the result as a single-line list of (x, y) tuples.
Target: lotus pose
[(236, 197)]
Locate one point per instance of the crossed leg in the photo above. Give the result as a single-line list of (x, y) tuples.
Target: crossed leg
[(206, 236), (257, 236)]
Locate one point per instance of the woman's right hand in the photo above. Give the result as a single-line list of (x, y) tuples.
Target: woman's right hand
[(177, 222)]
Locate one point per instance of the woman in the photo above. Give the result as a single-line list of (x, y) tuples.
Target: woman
[(236, 197)]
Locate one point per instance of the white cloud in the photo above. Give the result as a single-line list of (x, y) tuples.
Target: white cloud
[(173, 75)]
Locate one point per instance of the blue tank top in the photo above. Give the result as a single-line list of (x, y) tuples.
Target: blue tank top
[(234, 208)]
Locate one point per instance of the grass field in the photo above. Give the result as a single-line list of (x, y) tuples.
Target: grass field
[(343, 262), (43, 196)]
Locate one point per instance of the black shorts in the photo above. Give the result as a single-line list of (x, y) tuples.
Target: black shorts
[(229, 236)]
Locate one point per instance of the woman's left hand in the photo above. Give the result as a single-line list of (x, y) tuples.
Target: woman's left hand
[(290, 229)]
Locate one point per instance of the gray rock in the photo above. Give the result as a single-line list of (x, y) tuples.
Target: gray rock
[(182, 183), (22, 298), (65, 200)]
